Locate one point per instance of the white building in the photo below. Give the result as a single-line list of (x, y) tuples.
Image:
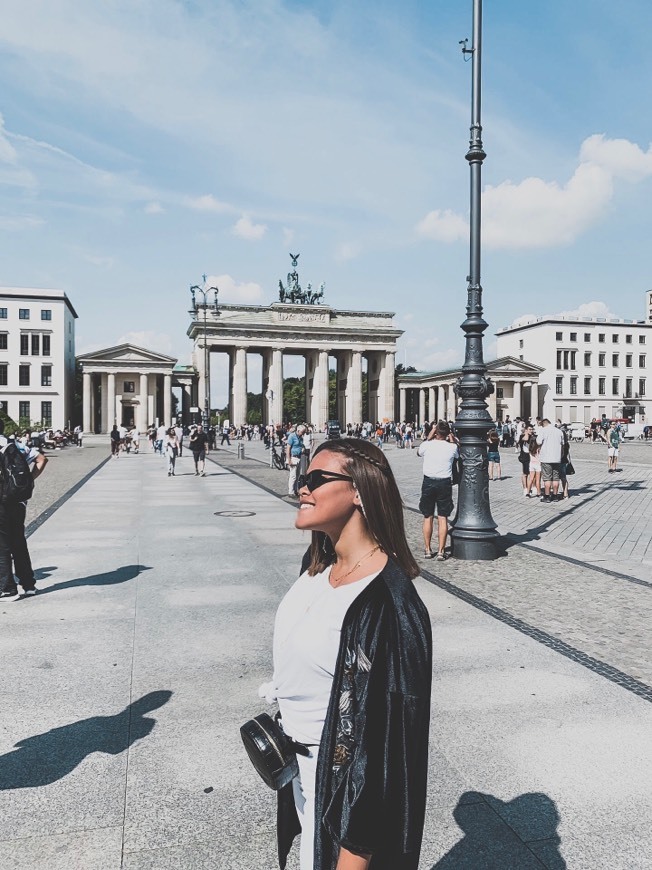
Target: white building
[(37, 356), (592, 365)]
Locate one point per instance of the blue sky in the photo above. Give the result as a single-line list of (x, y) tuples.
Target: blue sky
[(145, 143)]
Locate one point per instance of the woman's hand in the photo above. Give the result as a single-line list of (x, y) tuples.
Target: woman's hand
[(348, 861)]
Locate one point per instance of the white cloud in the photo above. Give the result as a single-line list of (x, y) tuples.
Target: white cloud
[(246, 229), (587, 309), (154, 208), (19, 222), (443, 226), (541, 214), (620, 157), (98, 260), (207, 203), (288, 236), (7, 150), (148, 339), (440, 360), (246, 292), (347, 251)]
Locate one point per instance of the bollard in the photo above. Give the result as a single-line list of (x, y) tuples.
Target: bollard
[(241, 452)]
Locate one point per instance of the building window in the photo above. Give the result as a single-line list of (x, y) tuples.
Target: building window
[(520, 356), (587, 358), (559, 385), (23, 313), (129, 387), (602, 386), (628, 388), (559, 336), (559, 358), (615, 386), (3, 374), (46, 413), (614, 360), (499, 392), (587, 336), (24, 344), (46, 345), (573, 336), (641, 338), (602, 359), (520, 342), (628, 339), (615, 338), (36, 344), (3, 313), (641, 358), (46, 376), (587, 386), (23, 413), (46, 314), (641, 387), (3, 341), (573, 386), (601, 337), (628, 360), (23, 376), (573, 357)]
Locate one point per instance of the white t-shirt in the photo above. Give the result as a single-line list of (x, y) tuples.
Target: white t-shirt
[(306, 642), (438, 457)]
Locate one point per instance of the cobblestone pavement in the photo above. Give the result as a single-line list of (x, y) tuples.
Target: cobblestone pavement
[(592, 604)]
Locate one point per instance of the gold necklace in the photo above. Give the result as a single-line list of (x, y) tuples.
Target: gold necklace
[(333, 581)]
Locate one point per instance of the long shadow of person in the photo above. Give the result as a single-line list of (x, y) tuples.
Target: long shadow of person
[(520, 834), (45, 758), (108, 578)]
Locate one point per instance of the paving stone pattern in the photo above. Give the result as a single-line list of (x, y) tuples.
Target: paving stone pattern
[(587, 601)]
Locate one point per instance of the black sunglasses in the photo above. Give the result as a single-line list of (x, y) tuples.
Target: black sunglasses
[(314, 479)]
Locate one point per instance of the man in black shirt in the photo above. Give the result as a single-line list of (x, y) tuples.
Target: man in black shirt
[(199, 446)]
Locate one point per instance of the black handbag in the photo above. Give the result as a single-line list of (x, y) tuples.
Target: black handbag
[(456, 471), (272, 752), (569, 468)]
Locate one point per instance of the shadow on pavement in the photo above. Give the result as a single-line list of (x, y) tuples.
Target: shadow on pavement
[(591, 490), (46, 758), (520, 834), (109, 578)]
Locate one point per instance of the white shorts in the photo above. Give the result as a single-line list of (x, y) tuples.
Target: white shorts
[(613, 451)]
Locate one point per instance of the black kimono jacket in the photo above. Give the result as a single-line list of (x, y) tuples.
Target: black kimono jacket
[(373, 758)]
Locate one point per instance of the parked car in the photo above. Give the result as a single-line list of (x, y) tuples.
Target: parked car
[(333, 429)]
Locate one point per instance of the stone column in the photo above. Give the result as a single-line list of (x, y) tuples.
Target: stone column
[(167, 400), (401, 404), (319, 410), (143, 422), (239, 404), (422, 406), (432, 413), (518, 405), (276, 386), (186, 401), (87, 402), (110, 401), (354, 389), (386, 388)]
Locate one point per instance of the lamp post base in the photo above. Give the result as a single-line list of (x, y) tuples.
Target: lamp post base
[(474, 545)]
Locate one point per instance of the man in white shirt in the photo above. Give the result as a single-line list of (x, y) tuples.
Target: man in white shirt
[(438, 452), (551, 440), (13, 546)]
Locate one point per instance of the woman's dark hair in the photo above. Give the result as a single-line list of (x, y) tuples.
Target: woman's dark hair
[(493, 436), (383, 506)]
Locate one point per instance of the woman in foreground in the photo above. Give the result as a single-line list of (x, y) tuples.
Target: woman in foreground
[(353, 670)]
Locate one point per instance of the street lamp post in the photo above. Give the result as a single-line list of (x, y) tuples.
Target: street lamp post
[(204, 290), (474, 532)]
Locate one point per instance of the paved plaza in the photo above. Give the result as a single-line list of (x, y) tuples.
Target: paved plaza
[(127, 677)]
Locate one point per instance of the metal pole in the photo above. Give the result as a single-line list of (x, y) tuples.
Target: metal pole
[(474, 531)]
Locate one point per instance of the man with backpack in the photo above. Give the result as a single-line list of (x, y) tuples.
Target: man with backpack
[(19, 467)]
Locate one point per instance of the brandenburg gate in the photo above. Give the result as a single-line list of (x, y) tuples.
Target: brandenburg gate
[(299, 324)]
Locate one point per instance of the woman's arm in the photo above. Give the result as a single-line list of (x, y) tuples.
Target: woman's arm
[(348, 861)]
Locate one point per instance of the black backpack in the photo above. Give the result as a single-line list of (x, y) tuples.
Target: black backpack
[(17, 481)]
